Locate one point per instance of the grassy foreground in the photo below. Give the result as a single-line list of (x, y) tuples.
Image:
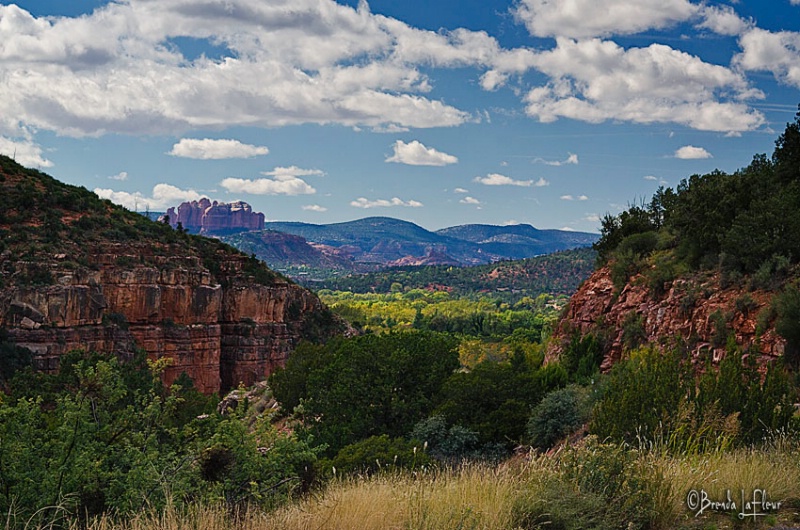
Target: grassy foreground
[(590, 486)]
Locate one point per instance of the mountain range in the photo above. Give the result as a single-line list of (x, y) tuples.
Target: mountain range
[(377, 242)]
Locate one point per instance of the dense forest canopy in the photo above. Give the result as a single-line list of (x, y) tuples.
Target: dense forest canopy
[(741, 221)]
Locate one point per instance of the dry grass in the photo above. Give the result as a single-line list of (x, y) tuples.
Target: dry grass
[(483, 497)]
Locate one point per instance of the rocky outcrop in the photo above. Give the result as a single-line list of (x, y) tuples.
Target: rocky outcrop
[(690, 313), (221, 329), (215, 218)]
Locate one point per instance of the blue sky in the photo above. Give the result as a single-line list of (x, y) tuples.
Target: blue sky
[(441, 113)]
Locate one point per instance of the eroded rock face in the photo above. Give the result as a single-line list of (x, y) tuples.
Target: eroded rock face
[(215, 218), (220, 332), (688, 313)]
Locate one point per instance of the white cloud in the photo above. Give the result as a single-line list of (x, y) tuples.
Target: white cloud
[(208, 149), (162, 197), (650, 177), (690, 152), (280, 185), (572, 159), (567, 229), (293, 171), (460, 190), (117, 70), (510, 222), (416, 154), (583, 198), (363, 202), (314, 208), (592, 217), (470, 200), (595, 81), (778, 53), (723, 20), (122, 175), (593, 18), (25, 152), (541, 183), (496, 179), (567, 198)]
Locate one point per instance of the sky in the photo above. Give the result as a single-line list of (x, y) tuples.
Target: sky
[(551, 113)]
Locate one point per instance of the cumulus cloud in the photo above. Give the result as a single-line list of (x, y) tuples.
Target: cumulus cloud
[(650, 177), (117, 70), (573, 198), (25, 152), (592, 217), (470, 200), (496, 179), (280, 185), (690, 152), (460, 190), (567, 229), (416, 154), (723, 20), (572, 159), (595, 80), (293, 171), (594, 18), (122, 175), (163, 196), (363, 202), (314, 208), (775, 52), (208, 149)]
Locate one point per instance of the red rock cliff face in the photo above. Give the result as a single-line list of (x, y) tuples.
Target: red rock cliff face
[(215, 218), (219, 333), (682, 314)]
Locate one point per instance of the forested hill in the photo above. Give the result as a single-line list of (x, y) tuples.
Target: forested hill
[(558, 273), (714, 262)]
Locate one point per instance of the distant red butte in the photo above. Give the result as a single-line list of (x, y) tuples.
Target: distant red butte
[(215, 218)]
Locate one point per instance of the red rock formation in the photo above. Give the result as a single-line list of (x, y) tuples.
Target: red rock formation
[(219, 333), (215, 218), (684, 313)]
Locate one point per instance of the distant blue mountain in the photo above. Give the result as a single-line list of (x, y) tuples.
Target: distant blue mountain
[(388, 241)]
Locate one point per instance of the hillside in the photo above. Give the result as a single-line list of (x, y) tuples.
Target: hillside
[(708, 268), (557, 273), (518, 241), (385, 241), (77, 272)]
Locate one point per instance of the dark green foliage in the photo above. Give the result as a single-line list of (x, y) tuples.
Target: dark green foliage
[(633, 332), (368, 385), (582, 357), (639, 396), (495, 399), (378, 454), (654, 396), (103, 436), (446, 444), (787, 324), (13, 358), (748, 218), (560, 413)]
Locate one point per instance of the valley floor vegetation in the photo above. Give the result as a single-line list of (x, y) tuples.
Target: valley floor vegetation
[(443, 414)]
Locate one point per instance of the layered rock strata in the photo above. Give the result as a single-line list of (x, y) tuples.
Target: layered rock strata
[(688, 314), (222, 329)]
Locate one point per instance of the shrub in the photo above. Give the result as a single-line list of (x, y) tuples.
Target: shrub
[(376, 454), (452, 444), (633, 332), (787, 324), (560, 413)]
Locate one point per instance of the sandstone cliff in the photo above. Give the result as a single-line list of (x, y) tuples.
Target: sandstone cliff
[(695, 312), (215, 218), (80, 273)]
